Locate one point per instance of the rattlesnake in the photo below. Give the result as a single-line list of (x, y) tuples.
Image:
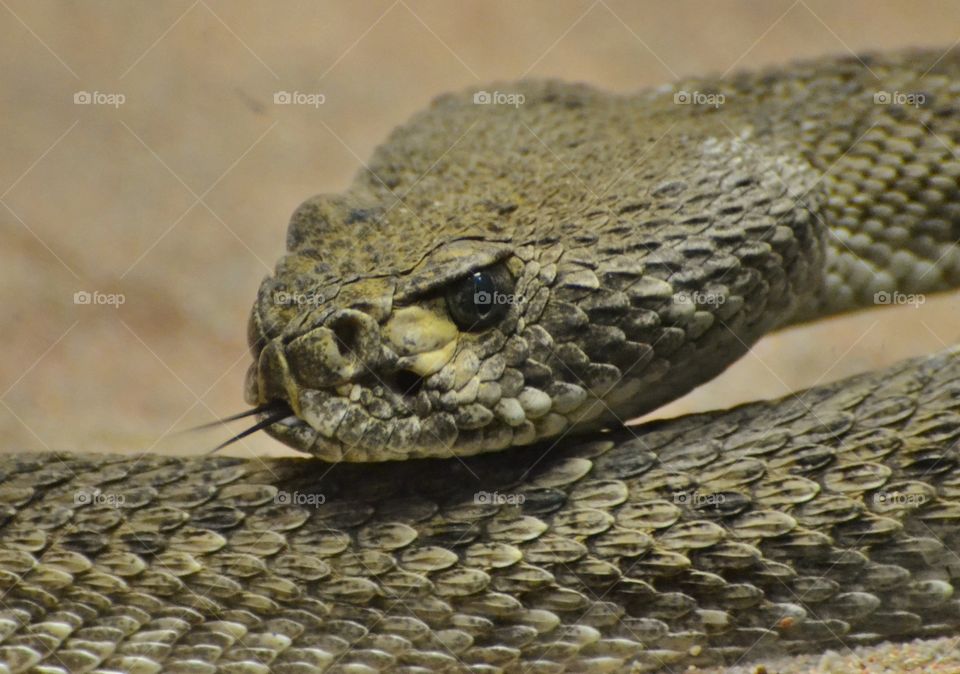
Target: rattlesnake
[(456, 340)]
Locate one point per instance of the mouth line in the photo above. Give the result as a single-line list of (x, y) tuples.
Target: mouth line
[(324, 409), (337, 418), (377, 414)]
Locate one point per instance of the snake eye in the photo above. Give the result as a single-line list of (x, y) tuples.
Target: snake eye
[(480, 299)]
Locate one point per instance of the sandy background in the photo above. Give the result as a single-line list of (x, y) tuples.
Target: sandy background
[(178, 198)]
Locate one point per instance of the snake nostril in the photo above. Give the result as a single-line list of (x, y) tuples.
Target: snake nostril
[(408, 383), (346, 330)]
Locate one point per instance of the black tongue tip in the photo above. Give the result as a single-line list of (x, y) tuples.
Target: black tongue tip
[(270, 407), (274, 415)]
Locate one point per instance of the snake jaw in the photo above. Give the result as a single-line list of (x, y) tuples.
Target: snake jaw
[(374, 380), (354, 386)]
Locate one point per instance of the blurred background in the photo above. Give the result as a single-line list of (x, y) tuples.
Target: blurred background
[(144, 158)]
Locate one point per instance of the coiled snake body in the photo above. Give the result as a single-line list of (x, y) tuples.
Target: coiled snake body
[(503, 284)]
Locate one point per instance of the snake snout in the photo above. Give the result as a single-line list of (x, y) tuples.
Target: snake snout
[(346, 345)]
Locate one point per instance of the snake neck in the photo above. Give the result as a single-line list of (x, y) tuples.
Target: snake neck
[(880, 135)]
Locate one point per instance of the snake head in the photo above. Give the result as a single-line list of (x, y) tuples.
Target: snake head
[(503, 275), (395, 350)]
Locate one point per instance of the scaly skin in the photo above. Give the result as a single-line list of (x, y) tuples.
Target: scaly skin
[(828, 518), (650, 243)]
